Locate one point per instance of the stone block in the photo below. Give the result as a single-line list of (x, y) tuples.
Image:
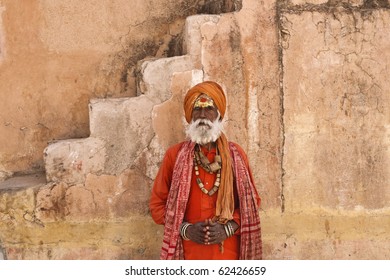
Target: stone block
[(51, 203), (125, 125), (155, 76), (192, 36), (168, 122), (69, 161), (16, 205), (80, 204), (104, 190), (17, 214), (336, 111), (133, 197)]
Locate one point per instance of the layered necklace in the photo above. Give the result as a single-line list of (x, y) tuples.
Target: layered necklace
[(215, 167)]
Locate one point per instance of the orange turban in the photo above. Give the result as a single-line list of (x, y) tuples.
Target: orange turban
[(210, 88)]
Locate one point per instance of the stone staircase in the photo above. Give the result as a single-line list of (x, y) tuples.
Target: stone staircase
[(92, 200), (120, 126)]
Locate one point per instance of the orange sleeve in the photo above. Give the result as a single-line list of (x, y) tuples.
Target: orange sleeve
[(162, 184)]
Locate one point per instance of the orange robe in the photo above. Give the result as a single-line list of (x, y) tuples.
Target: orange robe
[(200, 206)]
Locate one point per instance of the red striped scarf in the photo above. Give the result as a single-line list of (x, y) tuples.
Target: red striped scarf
[(250, 246)]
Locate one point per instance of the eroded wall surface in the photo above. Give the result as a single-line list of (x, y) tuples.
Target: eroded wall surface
[(334, 63), (336, 114), (57, 55), (307, 99)]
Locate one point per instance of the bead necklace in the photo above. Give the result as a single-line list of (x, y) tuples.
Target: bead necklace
[(214, 167), (202, 160)]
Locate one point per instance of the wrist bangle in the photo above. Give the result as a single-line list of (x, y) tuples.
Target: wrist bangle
[(231, 228), (183, 230), (227, 230)]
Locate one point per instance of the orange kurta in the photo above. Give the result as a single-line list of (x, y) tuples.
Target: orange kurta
[(199, 206)]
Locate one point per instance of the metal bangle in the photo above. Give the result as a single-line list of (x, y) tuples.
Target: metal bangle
[(227, 230), (183, 230), (231, 228)]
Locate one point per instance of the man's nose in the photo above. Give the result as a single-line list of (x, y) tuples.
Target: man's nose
[(202, 113)]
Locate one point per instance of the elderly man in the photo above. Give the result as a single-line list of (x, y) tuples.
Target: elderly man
[(204, 193)]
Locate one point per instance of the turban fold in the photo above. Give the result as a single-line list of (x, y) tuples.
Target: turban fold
[(225, 201), (209, 88)]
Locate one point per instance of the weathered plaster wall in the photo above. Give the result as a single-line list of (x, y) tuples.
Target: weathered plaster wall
[(57, 55), (307, 99), (336, 115), (334, 64), (66, 207)]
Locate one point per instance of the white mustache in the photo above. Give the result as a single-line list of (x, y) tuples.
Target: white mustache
[(207, 122), (203, 131)]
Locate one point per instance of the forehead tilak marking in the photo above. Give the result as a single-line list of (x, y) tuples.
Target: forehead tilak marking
[(204, 101)]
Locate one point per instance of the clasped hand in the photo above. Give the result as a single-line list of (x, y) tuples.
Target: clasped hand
[(207, 232)]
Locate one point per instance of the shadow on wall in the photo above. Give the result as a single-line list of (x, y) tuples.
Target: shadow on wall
[(218, 6), (376, 4)]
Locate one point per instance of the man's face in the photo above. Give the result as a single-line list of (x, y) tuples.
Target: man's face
[(205, 126), (204, 108)]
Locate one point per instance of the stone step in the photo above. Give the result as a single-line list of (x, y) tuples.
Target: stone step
[(70, 160), (192, 39), (120, 126), (23, 181), (155, 76)]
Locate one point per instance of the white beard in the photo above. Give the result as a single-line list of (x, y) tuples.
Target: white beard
[(204, 134)]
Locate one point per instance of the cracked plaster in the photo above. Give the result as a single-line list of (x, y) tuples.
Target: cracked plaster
[(336, 142), (311, 118)]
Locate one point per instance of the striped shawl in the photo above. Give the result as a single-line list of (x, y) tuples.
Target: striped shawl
[(250, 246)]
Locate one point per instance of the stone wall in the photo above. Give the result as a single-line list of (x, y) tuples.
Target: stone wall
[(57, 55), (334, 63), (306, 84)]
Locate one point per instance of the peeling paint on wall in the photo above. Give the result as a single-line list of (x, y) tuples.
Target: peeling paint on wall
[(335, 106), (327, 140)]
